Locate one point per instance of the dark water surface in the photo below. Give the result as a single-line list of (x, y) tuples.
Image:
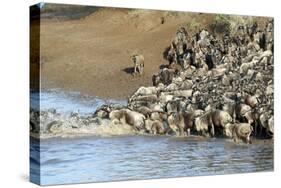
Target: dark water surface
[(144, 157)]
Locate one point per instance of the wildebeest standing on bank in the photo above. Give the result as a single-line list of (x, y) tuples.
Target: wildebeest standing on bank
[(138, 61)]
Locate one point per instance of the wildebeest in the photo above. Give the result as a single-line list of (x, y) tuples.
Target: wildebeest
[(252, 101), (187, 84), (161, 116), (220, 119), (165, 76), (211, 121), (239, 132), (209, 59), (182, 122), (189, 118), (171, 87), (155, 126), (183, 93), (266, 121), (145, 91), (148, 98), (165, 97), (144, 110), (103, 111), (176, 123), (129, 117), (204, 124), (172, 106), (229, 106), (244, 112), (138, 61)]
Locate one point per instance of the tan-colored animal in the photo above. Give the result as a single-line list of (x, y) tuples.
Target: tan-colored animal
[(220, 118), (117, 116), (145, 91), (164, 97), (183, 93), (217, 72), (252, 101), (147, 98), (172, 106), (188, 71), (177, 80), (210, 121), (155, 126), (239, 132), (203, 70), (189, 118), (246, 66), (203, 124), (156, 107), (269, 90), (187, 84), (172, 87), (144, 110), (176, 123), (138, 61), (244, 111), (129, 117), (161, 116), (181, 122)]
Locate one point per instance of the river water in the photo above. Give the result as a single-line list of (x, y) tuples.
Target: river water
[(132, 157)]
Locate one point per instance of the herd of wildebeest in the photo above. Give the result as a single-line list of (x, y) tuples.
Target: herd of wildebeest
[(211, 86)]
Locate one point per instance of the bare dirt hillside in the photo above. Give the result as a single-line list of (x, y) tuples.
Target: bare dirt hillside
[(92, 54)]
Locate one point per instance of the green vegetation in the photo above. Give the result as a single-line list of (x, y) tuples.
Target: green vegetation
[(193, 25), (221, 24), (66, 12)]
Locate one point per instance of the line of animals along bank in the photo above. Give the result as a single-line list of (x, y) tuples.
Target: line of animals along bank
[(210, 87)]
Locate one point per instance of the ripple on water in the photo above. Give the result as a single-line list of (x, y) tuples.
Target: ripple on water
[(141, 157)]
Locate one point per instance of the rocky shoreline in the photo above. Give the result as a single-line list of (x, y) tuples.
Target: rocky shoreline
[(211, 87)]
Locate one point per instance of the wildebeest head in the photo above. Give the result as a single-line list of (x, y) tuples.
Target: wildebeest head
[(133, 58), (155, 80), (228, 130)]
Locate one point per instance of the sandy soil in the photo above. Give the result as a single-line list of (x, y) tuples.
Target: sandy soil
[(92, 55)]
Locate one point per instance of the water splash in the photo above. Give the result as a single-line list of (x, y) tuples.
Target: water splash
[(58, 114)]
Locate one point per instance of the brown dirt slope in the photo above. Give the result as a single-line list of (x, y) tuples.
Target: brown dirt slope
[(91, 55)]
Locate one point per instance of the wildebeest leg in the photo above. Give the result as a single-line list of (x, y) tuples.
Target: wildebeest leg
[(206, 133), (234, 115), (178, 131), (135, 70), (212, 130), (260, 131), (181, 131), (255, 128), (154, 131), (140, 70), (249, 141), (235, 140), (235, 137), (188, 132)]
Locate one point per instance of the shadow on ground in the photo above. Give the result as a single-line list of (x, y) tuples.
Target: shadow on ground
[(129, 70)]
